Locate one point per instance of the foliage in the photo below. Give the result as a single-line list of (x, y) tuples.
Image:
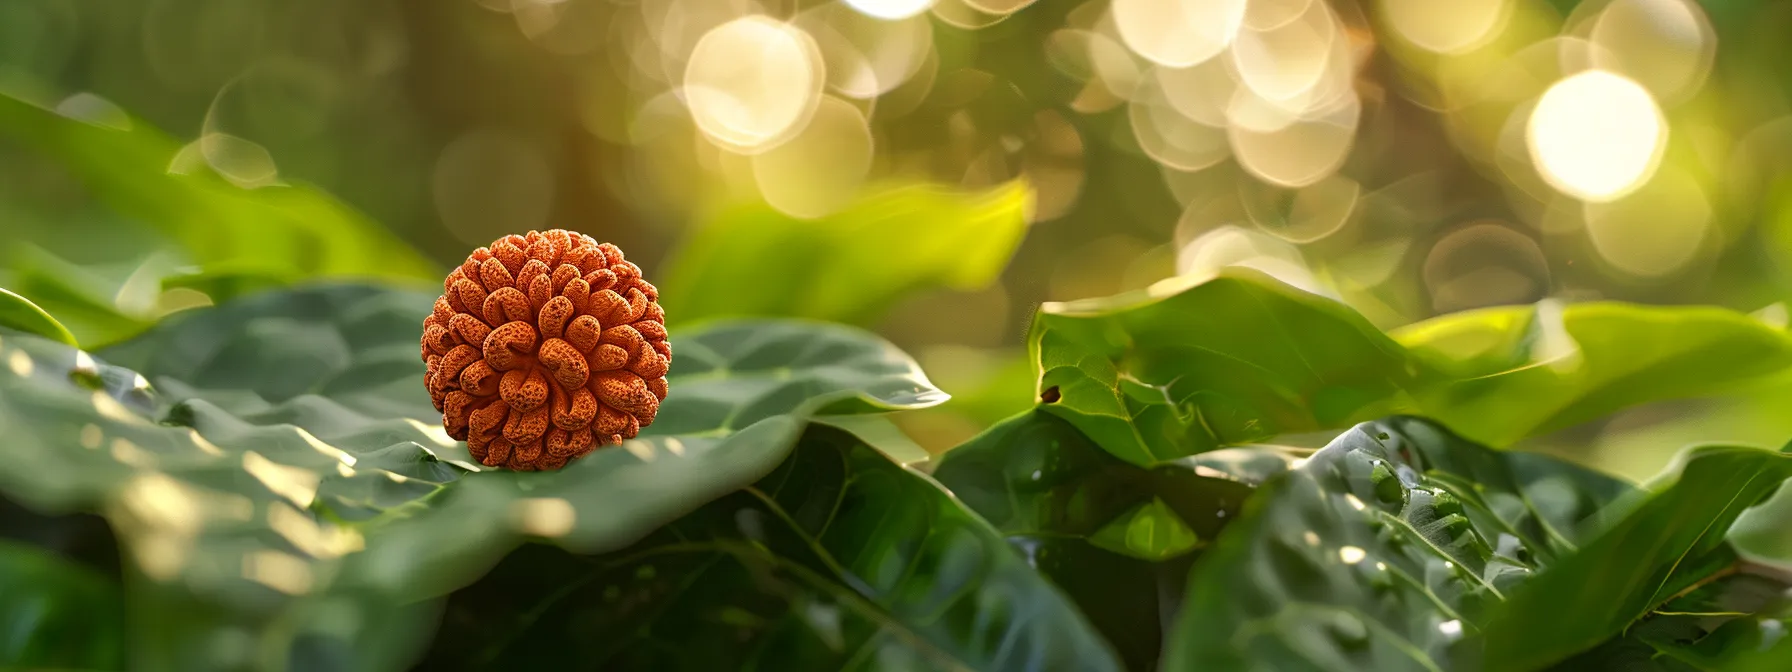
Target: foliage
[(1117, 538), (1176, 371), (847, 266), (20, 314), (277, 458), (237, 239), (272, 465), (838, 559), (263, 484)]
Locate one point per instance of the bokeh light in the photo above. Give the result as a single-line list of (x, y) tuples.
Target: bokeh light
[(1287, 60), (1596, 135), (1178, 33), (753, 82), (1303, 215), (1303, 151), (867, 57), (1232, 246), (820, 170), (1485, 263), (890, 9), (489, 182), (1450, 27), (1171, 138), (1656, 230), (1665, 45)]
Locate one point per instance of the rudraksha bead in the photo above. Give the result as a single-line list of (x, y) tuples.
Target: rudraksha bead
[(545, 347)]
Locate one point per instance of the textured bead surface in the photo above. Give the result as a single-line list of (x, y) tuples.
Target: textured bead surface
[(545, 347)]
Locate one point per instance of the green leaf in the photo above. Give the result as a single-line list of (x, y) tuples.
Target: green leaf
[(1383, 550), (278, 457), (848, 266), (290, 232), (839, 559), (1117, 537), (81, 297), (1656, 551), (1150, 531), (20, 314), (1181, 369), (1229, 361), (1763, 535), (1717, 622), (1773, 649), (1513, 372), (56, 613)]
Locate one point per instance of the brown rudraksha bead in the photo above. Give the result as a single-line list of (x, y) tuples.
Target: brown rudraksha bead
[(543, 348)]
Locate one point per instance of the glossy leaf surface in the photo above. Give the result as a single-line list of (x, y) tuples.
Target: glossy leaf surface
[(1115, 536), (838, 559), (1185, 368), (279, 454), (1382, 551)]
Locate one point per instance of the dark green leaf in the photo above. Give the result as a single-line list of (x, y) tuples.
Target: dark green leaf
[(56, 614), (1115, 536), (1181, 369), (1657, 550), (848, 266), (287, 459), (1383, 550), (1719, 620), (20, 314), (839, 559)]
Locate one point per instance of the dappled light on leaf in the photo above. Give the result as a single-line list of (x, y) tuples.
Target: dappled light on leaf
[(1191, 366), (1381, 552)]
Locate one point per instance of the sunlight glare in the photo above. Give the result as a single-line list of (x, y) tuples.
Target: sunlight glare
[(890, 9), (1596, 135), (753, 82), (1178, 33)]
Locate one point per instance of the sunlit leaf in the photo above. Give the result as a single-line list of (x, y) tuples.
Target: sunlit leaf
[(20, 314), (1182, 369), (1663, 547), (286, 231), (848, 266), (277, 465)]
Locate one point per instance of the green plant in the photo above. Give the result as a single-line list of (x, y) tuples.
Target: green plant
[(265, 484), (272, 467)]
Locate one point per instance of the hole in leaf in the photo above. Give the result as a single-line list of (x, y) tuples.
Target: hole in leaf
[(1050, 395)]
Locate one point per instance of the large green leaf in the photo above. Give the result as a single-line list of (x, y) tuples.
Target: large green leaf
[(839, 559), (55, 613), (1713, 624), (1659, 549), (1184, 368), (848, 266), (20, 314), (1380, 553), (276, 464), (1763, 535), (287, 232), (1115, 536), (80, 298)]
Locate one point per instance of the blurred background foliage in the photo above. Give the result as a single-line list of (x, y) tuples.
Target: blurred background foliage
[(934, 169)]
